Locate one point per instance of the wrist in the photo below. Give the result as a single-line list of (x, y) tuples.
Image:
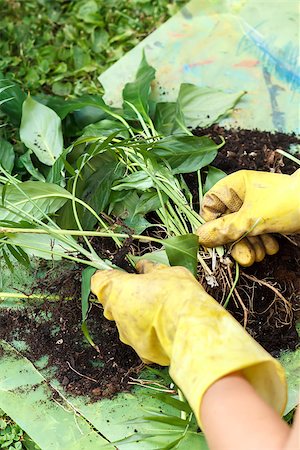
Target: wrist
[(232, 409)]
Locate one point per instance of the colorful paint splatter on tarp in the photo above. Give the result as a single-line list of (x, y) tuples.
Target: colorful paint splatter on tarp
[(233, 45)]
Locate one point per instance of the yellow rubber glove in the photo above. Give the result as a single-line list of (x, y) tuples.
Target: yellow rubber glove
[(169, 319), (254, 203)]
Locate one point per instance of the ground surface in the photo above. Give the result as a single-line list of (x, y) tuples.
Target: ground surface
[(267, 295)]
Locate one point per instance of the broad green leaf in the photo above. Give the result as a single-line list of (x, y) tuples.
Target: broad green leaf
[(203, 106), (96, 182), (186, 154), (164, 118), (169, 119), (86, 116), (27, 163), (137, 92), (105, 128), (138, 180), (182, 251), (94, 188), (27, 398), (115, 198), (193, 441), (41, 131), (125, 205), (13, 107), (126, 209), (213, 176), (40, 245), (137, 223), (149, 201), (62, 88), (158, 256), (19, 255), (7, 155), (86, 276), (34, 198), (130, 204), (65, 107), (173, 444)]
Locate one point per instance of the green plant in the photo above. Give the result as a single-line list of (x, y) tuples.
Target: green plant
[(64, 47), (122, 142), (128, 164), (12, 437), (177, 423)]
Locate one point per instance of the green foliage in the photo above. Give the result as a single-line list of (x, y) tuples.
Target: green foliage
[(94, 186), (203, 106), (41, 131), (172, 424), (7, 155), (186, 154), (136, 94), (213, 176), (119, 167), (86, 276), (11, 99), (30, 198), (182, 251), (64, 46), (11, 435)]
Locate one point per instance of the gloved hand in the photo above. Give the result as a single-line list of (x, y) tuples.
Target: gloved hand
[(169, 319), (254, 203)]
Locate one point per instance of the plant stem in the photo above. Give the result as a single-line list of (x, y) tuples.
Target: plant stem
[(289, 156), (8, 230), (178, 219), (236, 278), (183, 414), (33, 296), (140, 118), (99, 263), (200, 191), (75, 209), (203, 264)]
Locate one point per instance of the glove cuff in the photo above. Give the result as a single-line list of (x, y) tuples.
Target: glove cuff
[(204, 353)]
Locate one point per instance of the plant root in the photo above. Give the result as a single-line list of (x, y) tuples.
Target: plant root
[(285, 305), (80, 374), (150, 384), (238, 297)]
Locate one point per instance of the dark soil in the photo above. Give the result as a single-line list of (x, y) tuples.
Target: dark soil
[(82, 369), (270, 320), (251, 149), (54, 329)]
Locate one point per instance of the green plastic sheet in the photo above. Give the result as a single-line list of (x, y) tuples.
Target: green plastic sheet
[(26, 396), (54, 419)]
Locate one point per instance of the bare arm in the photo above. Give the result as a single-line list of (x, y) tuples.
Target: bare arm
[(235, 417)]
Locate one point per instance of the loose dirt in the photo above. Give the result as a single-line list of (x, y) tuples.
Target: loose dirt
[(266, 298)]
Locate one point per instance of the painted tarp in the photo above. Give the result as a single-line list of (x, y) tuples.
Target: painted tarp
[(233, 45)]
